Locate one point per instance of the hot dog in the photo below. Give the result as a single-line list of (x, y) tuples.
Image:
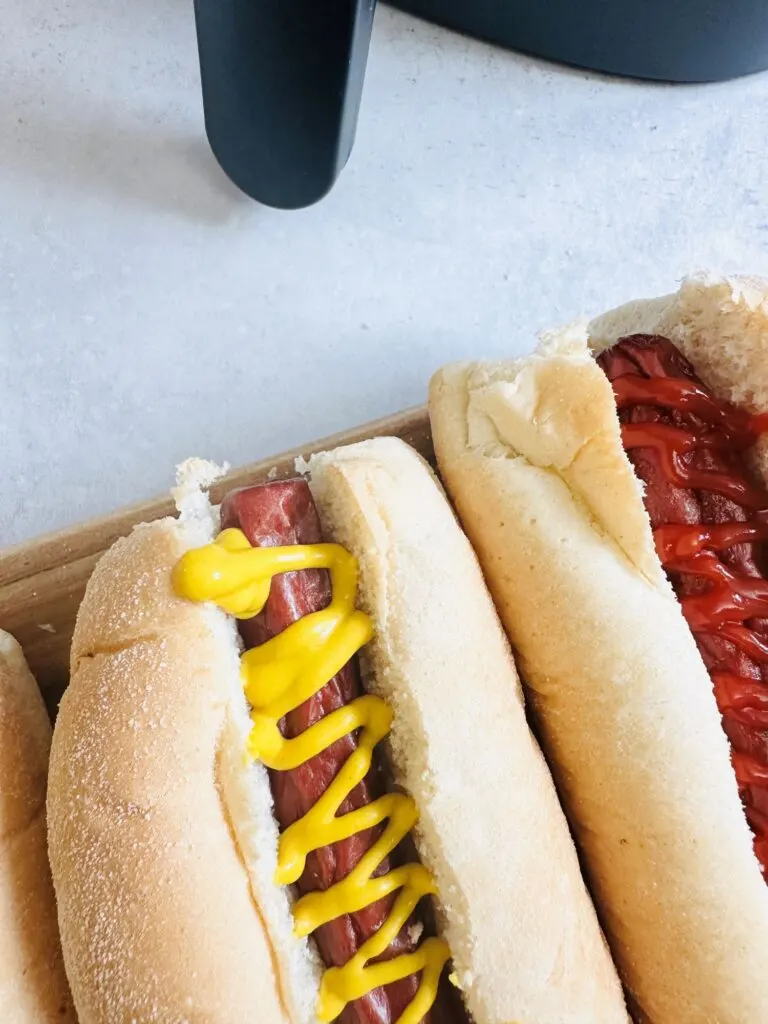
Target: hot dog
[(621, 529), (238, 843)]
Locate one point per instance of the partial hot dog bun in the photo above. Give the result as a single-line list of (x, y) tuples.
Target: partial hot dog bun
[(162, 842), (33, 986), (155, 823), (532, 456), (513, 906)]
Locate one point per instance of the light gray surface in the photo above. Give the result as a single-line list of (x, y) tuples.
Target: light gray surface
[(148, 311)]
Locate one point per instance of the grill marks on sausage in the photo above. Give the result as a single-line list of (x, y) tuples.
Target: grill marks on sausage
[(668, 503), (283, 513)]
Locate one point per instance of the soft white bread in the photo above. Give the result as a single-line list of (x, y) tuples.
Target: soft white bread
[(33, 986), (162, 842), (532, 456), (155, 820), (513, 906)]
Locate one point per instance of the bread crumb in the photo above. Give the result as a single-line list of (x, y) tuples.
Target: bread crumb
[(193, 477)]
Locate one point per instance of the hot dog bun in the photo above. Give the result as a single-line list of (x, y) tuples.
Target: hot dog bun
[(531, 453), (33, 987), (158, 830)]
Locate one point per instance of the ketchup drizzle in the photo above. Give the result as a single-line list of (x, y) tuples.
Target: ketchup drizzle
[(709, 522)]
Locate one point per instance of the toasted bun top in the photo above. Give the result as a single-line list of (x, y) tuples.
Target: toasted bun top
[(33, 987), (532, 455)]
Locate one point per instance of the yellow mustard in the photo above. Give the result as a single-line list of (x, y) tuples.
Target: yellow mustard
[(278, 677)]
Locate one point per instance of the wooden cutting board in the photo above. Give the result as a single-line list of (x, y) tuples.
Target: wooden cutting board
[(42, 582)]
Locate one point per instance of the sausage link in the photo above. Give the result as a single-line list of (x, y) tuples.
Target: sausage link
[(284, 513)]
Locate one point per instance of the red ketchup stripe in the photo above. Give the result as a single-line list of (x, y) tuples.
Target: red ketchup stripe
[(745, 699), (672, 443), (745, 640), (676, 542), (749, 771), (710, 525), (686, 395)]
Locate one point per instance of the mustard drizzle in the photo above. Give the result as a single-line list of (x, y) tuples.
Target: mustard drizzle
[(278, 677)]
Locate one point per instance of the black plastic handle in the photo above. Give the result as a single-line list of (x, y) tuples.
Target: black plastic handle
[(670, 40), (282, 82)]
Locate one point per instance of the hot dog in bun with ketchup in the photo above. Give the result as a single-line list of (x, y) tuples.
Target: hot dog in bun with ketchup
[(292, 779), (614, 488)]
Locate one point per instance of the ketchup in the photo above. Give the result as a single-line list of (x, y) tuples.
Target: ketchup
[(710, 524)]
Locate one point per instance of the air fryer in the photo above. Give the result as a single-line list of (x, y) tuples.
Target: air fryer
[(282, 79)]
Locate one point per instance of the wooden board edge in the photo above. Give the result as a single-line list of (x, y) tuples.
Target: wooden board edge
[(72, 543), (42, 582)]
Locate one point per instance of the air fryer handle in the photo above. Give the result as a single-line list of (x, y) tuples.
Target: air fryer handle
[(282, 81)]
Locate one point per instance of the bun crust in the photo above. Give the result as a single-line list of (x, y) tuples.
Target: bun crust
[(158, 921), (513, 905), (532, 455), (33, 986)]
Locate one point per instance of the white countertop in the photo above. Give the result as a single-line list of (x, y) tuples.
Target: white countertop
[(148, 311)]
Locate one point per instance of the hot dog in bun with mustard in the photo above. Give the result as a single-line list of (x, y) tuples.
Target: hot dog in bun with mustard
[(292, 779)]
